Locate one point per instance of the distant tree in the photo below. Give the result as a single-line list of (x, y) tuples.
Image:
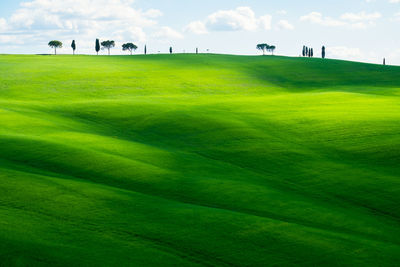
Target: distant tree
[(323, 52), (129, 47), (197, 50), (170, 50), (304, 51), (262, 47), (97, 46), (145, 49), (55, 44), (73, 46), (271, 48), (384, 61), (312, 52), (108, 45)]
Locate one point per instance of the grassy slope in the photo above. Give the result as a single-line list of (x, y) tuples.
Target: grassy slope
[(198, 160)]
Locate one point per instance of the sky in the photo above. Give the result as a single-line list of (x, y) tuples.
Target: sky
[(360, 30)]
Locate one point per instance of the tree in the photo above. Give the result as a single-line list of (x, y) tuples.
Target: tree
[(197, 50), (307, 51), (97, 46), (129, 47), (323, 52), (73, 46), (55, 44), (145, 49), (271, 48), (304, 51), (384, 61), (262, 47), (108, 45), (170, 50), (312, 52)]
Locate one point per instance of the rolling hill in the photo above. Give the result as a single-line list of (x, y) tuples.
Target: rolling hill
[(198, 160)]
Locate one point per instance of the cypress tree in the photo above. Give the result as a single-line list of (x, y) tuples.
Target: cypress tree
[(97, 46), (145, 49), (73, 46), (384, 61), (304, 51), (323, 52), (170, 50), (307, 51), (197, 50)]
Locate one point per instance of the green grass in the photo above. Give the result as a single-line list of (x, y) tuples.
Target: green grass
[(198, 160)]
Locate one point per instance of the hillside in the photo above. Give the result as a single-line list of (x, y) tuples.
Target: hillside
[(198, 160)]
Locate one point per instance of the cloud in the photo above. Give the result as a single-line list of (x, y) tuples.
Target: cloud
[(343, 52), (285, 25), (362, 16), (196, 27), (3, 25), (351, 20), (83, 20), (239, 19), (265, 22), (167, 33), (318, 18)]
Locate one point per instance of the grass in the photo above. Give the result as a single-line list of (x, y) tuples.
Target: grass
[(198, 160)]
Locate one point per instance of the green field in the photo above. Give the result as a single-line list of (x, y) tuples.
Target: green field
[(198, 160)]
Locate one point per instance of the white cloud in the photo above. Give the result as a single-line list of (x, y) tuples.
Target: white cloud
[(265, 22), (285, 25), (239, 19), (197, 27), (83, 20), (343, 52), (3, 24), (167, 33), (318, 18), (351, 20), (362, 16), (242, 18)]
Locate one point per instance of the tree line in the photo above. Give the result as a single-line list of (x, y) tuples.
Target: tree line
[(55, 44), (266, 48), (309, 52), (105, 45), (131, 47)]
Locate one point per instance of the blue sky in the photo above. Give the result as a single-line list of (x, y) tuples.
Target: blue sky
[(363, 30)]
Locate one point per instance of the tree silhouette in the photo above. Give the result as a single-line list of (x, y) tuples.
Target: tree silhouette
[(55, 44), (304, 51), (170, 50), (323, 52), (108, 45), (197, 50), (312, 52), (97, 46), (271, 48), (307, 51), (145, 49), (262, 47), (129, 47), (384, 61), (73, 46)]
